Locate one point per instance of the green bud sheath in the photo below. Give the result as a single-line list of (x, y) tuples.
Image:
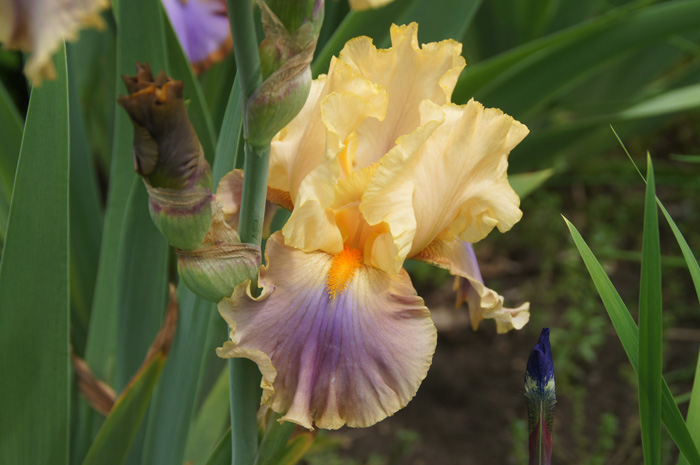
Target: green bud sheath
[(291, 30), (220, 264), (168, 156)]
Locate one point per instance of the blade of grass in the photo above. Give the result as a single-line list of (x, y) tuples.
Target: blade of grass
[(140, 38), (628, 333), (112, 444), (526, 89), (34, 293), (525, 183), (544, 146), (11, 135), (274, 442), (143, 286), (691, 262), (85, 215), (693, 417), (222, 452), (478, 75), (210, 423), (650, 328), (168, 427)]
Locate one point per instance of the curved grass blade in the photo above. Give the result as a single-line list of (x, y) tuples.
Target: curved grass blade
[(34, 320), (544, 76), (693, 418), (544, 146), (222, 453), (85, 214), (11, 135), (229, 150), (143, 284), (690, 260), (167, 428), (274, 442), (112, 444), (628, 334), (480, 75), (210, 423), (650, 328)]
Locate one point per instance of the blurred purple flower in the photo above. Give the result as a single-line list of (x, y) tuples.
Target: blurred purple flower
[(202, 28)]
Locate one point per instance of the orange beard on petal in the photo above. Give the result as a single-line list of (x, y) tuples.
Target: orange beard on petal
[(343, 268)]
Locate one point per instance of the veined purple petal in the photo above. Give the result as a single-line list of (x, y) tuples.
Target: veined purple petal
[(203, 29), (353, 358)]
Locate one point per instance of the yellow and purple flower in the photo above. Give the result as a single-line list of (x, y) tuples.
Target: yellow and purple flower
[(378, 167)]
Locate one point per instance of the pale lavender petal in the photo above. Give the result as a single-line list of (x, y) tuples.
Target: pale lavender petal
[(458, 257), (352, 359), (202, 27)]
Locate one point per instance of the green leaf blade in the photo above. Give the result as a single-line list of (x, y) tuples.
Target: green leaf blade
[(628, 334), (650, 329), (34, 286)]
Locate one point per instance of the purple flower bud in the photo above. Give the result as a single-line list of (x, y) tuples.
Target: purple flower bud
[(541, 397)]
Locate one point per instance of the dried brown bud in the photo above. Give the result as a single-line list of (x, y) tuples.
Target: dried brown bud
[(169, 157)]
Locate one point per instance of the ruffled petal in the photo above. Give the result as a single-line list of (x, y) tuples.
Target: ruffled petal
[(410, 74), (312, 225), (304, 135), (353, 358), (336, 106), (39, 26), (202, 28), (447, 179), (458, 257)]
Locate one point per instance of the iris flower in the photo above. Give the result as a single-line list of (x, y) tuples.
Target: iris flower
[(39, 26), (202, 28), (378, 167)]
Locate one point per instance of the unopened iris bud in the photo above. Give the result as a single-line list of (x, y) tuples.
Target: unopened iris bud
[(221, 263), (169, 157), (291, 30), (541, 398)]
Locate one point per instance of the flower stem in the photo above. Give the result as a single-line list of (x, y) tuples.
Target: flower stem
[(244, 377)]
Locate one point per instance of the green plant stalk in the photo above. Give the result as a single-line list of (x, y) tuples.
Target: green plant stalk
[(244, 388)]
